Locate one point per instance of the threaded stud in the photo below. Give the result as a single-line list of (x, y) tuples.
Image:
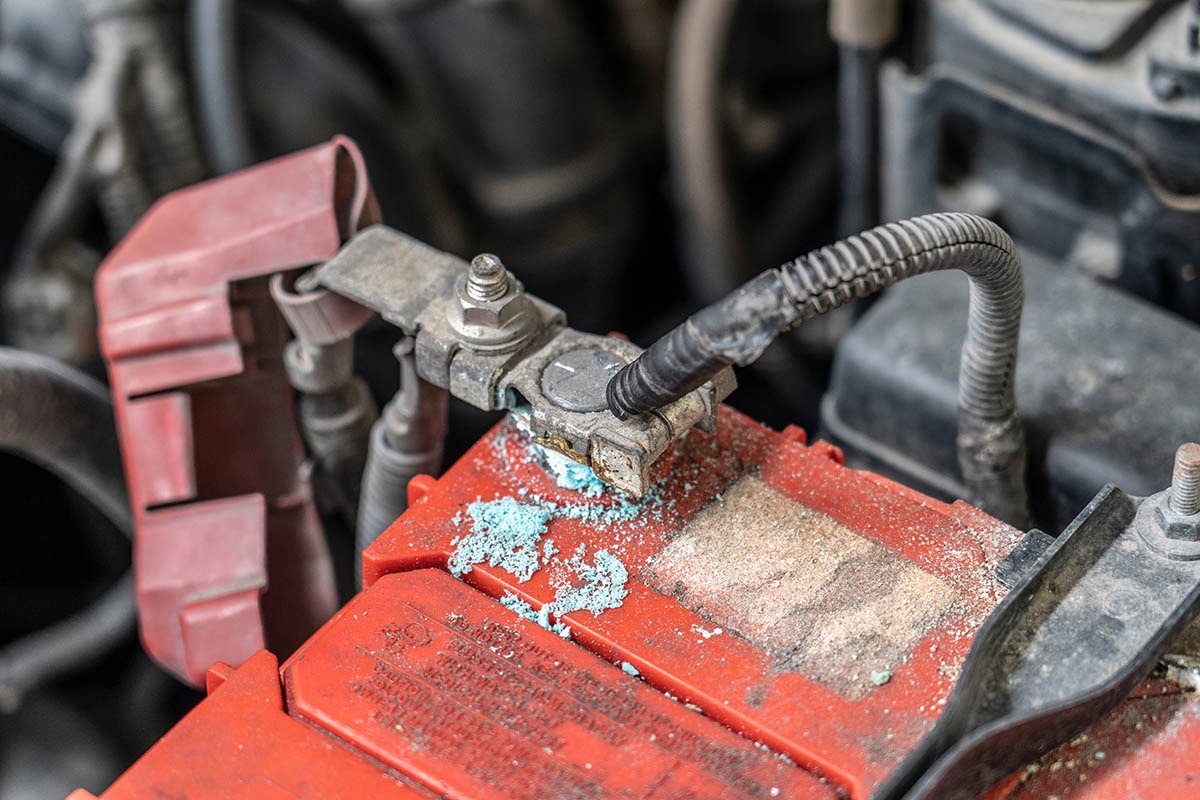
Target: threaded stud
[(1185, 480), (488, 279)]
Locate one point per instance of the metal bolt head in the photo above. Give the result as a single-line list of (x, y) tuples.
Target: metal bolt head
[(576, 380), (1185, 481)]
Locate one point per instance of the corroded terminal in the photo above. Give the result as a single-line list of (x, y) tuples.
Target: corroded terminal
[(481, 337), (575, 380), (620, 452)]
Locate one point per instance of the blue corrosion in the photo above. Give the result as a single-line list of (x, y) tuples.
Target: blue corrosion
[(580, 478), (626, 508), (514, 603), (594, 587), (507, 533), (504, 533)]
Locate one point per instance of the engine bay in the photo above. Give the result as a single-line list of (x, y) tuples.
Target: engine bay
[(627, 399)]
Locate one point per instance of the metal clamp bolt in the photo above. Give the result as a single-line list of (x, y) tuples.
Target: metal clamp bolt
[(492, 312), (514, 351), (1185, 481), (1170, 520), (488, 278)]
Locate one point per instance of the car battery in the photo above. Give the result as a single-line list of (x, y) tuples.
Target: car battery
[(763, 623)]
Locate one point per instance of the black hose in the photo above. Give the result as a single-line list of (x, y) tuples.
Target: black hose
[(62, 420), (212, 29), (693, 120), (58, 649), (171, 151), (738, 328), (858, 119)]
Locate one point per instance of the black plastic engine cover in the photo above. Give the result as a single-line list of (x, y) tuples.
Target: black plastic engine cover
[(1107, 386)]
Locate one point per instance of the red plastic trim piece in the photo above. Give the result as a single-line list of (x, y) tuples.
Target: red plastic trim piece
[(213, 460)]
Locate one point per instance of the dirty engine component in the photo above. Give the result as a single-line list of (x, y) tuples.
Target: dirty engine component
[(698, 399), (729, 611)]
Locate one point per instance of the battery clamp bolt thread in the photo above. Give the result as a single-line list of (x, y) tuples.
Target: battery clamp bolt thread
[(491, 312), (1170, 520), (488, 278), (1185, 481)]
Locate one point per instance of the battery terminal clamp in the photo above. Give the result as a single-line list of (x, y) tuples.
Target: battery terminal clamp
[(480, 336)]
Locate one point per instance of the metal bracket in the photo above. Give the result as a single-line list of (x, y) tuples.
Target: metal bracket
[(1088, 623)]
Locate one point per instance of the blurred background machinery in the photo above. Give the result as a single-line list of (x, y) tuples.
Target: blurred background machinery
[(631, 160)]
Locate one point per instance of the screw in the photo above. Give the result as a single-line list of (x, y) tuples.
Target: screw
[(1185, 481), (488, 279)]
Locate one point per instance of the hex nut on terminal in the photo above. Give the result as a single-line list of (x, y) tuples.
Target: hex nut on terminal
[(1184, 528), (491, 310), (1177, 513)]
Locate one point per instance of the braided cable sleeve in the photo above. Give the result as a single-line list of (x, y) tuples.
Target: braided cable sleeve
[(739, 327)]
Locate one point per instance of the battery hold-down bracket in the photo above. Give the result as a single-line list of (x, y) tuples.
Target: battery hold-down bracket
[(1088, 623)]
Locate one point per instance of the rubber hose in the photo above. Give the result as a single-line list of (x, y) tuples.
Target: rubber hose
[(738, 328), (124, 198), (62, 420), (693, 121), (40, 657), (385, 486), (858, 118), (212, 28), (173, 154), (407, 440)]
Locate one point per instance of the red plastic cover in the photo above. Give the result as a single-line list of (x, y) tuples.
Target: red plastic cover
[(213, 459)]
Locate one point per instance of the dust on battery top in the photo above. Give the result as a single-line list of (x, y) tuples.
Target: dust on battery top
[(816, 609)]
